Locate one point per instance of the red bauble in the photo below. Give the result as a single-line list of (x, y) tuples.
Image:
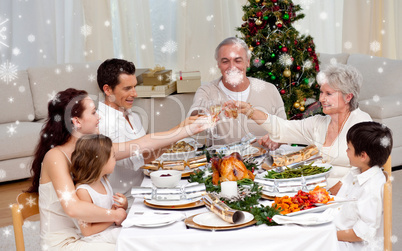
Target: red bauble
[(279, 25), (284, 49), (276, 8), (257, 43), (309, 49), (282, 91), (274, 1), (251, 25), (295, 42), (258, 14), (294, 83), (298, 67)]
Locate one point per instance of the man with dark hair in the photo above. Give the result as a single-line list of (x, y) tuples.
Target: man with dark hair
[(359, 222), (117, 80)]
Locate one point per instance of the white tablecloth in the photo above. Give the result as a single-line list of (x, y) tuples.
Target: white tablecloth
[(177, 237)]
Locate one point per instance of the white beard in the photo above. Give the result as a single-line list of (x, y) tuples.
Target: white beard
[(234, 77)]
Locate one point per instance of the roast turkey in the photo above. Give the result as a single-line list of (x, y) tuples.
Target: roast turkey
[(229, 168)]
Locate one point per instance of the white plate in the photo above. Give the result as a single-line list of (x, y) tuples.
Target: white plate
[(210, 219), (172, 202), (156, 224), (314, 210)]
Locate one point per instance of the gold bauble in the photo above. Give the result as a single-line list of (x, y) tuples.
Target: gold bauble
[(296, 105), (264, 3), (302, 103), (258, 22), (257, 1), (286, 73), (251, 48), (301, 108), (244, 18)]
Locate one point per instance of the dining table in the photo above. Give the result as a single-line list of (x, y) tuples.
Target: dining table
[(178, 236)]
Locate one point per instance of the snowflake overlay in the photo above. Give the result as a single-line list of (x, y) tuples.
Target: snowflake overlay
[(169, 47), (11, 130), (8, 72), (86, 30), (3, 174), (54, 97), (375, 46), (385, 141), (30, 201), (258, 86), (2, 36), (285, 60), (66, 196), (92, 77)]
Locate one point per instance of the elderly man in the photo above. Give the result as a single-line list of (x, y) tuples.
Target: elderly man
[(233, 58)]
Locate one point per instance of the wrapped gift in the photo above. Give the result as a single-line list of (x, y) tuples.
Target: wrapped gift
[(138, 74), (157, 76), (155, 91), (188, 81)]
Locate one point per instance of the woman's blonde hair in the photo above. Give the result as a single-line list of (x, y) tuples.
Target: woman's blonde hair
[(90, 155)]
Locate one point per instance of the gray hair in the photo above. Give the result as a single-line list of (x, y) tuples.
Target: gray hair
[(233, 40), (344, 78)]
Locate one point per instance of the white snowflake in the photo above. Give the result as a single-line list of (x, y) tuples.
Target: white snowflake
[(258, 86), (31, 38), (394, 238), (8, 72), (69, 68), (257, 62), (3, 174), (285, 59), (170, 77), (2, 35), (45, 247), (108, 212), (307, 64), (375, 46), (323, 15), (375, 244), (86, 30), (11, 100), (306, 3), (212, 70), (11, 130), (184, 3), (107, 23), (376, 98), (21, 89), (54, 97), (160, 78), (385, 141), (234, 76), (322, 78), (30, 201), (143, 46), (57, 71), (333, 61), (6, 232), (209, 18), (347, 45), (92, 78), (66, 196), (161, 27), (380, 70), (169, 47), (83, 224), (16, 51)]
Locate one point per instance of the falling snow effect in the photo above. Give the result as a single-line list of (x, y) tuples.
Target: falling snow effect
[(3, 37), (385, 142), (6, 232), (54, 97), (209, 18), (375, 46), (307, 64), (8, 72), (257, 62), (92, 78), (348, 45), (169, 47), (30, 201), (376, 98), (212, 70), (86, 30), (322, 78), (31, 38), (11, 130), (3, 174), (285, 60), (11, 100), (234, 77), (258, 86), (66, 196)]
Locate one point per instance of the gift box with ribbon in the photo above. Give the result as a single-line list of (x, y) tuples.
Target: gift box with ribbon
[(157, 76), (188, 81)]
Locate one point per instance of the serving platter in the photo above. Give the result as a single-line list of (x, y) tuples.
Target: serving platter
[(193, 204), (314, 209), (190, 223), (181, 155)]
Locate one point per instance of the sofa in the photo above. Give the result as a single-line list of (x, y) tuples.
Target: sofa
[(24, 101)]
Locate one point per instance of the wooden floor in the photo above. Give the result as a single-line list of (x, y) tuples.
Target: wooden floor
[(8, 193)]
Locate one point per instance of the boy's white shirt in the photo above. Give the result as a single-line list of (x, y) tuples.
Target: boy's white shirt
[(365, 215)]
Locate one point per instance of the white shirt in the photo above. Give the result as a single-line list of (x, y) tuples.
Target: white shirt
[(239, 96), (114, 125), (364, 216)]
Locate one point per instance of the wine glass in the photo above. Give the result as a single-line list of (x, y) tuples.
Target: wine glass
[(214, 109), (248, 136)]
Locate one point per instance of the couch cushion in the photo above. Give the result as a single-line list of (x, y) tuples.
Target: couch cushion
[(383, 107), (18, 139), (326, 59), (47, 81), (16, 100), (381, 76)]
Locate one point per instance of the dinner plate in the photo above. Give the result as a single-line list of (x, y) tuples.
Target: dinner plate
[(195, 204), (190, 223), (181, 155), (314, 210), (172, 202), (155, 225), (210, 219)]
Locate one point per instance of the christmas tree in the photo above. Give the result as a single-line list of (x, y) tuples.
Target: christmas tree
[(280, 55)]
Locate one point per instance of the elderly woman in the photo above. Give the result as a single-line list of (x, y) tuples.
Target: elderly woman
[(339, 92)]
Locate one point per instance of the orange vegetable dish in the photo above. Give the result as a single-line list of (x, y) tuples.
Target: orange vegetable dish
[(302, 200)]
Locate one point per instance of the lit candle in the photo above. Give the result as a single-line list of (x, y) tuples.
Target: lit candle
[(229, 189)]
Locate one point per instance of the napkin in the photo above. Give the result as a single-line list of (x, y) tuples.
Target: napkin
[(151, 218), (306, 219)]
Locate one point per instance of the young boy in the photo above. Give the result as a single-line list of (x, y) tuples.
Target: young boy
[(359, 223)]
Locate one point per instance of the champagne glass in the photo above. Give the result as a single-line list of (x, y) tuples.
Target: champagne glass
[(214, 109), (234, 113)]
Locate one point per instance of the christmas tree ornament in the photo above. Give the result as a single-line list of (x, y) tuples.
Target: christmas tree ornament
[(286, 73), (298, 67), (282, 91), (280, 46), (294, 83), (286, 16), (309, 49), (296, 105), (302, 103), (251, 48), (262, 61), (258, 22), (273, 55), (306, 81), (257, 43), (295, 42), (265, 18), (285, 49), (257, 1), (279, 25), (273, 77), (244, 18), (274, 1), (270, 73), (258, 14), (301, 108)]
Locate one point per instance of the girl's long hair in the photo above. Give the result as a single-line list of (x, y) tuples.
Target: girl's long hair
[(57, 129)]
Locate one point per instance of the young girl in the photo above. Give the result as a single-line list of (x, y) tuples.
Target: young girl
[(92, 160)]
